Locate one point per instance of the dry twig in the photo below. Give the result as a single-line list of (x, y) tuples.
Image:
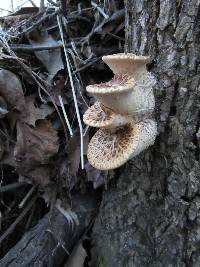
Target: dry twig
[(73, 92), (19, 218), (65, 115)]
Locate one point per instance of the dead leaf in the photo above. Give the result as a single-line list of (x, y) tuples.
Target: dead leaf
[(77, 258), (65, 173), (57, 88), (11, 90), (34, 113), (51, 59), (37, 175), (49, 194), (35, 145), (8, 157)]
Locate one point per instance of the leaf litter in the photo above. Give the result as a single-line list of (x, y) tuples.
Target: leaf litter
[(46, 57)]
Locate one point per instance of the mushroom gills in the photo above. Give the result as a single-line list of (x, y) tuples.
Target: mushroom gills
[(109, 150)]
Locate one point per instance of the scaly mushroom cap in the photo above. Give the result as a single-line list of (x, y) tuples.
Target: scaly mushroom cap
[(108, 150), (119, 83), (125, 63), (102, 117)]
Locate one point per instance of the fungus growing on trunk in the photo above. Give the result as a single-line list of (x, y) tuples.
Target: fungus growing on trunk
[(123, 111), (127, 64), (110, 149), (101, 117), (124, 95)]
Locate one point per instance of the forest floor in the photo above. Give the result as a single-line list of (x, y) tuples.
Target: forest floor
[(49, 194)]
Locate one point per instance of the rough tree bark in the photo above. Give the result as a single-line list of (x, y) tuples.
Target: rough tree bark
[(150, 214)]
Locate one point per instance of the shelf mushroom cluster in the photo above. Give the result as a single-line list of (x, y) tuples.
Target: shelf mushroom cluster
[(123, 112)]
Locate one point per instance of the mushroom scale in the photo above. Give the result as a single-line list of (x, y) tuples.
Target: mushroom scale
[(108, 150), (123, 111), (126, 96), (119, 83), (99, 116)]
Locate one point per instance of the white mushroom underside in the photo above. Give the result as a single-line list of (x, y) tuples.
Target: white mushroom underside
[(126, 63), (119, 83), (108, 150), (97, 116), (139, 99)]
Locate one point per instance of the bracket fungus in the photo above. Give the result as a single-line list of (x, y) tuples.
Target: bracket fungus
[(108, 150), (131, 82), (126, 96), (127, 63), (123, 112), (101, 117)]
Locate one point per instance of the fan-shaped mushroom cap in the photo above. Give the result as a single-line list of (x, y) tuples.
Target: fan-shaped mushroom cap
[(120, 83), (126, 63), (108, 150), (101, 117), (126, 96)]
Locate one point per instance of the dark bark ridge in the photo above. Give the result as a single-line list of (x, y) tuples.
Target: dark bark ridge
[(149, 215)]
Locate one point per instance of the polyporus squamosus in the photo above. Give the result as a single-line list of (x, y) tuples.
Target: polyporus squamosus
[(127, 63), (108, 150), (124, 105), (131, 82), (101, 117)]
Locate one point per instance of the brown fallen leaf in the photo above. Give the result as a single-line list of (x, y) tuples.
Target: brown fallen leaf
[(34, 113), (11, 90), (35, 145), (65, 173), (57, 90), (37, 175), (8, 157), (51, 59)]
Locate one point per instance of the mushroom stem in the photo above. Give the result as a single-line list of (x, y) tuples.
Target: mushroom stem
[(101, 117), (136, 98), (109, 149), (113, 130)]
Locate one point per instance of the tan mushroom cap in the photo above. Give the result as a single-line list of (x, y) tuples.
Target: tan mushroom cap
[(101, 117), (119, 83), (108, 150), (125, 62)]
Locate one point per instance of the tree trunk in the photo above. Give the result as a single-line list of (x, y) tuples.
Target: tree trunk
[(150, 214)]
